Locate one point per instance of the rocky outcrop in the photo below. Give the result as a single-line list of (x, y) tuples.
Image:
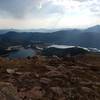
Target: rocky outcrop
[(50, 78), (8, 92)]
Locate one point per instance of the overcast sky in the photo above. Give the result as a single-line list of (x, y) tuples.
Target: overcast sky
[(49, 13)]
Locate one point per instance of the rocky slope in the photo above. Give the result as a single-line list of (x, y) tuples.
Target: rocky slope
[(53, 78)]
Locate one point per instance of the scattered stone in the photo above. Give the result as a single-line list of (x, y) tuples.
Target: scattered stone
[(50, 68), (86, 89), (53, 74), (57, 90), (51, 78), (37, 75), (11, 71), (45, 80), (8, 92), (36, 93)]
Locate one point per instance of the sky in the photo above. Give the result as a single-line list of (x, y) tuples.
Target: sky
[(49, 14)]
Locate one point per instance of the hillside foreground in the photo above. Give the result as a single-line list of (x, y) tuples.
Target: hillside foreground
[(50, 78)]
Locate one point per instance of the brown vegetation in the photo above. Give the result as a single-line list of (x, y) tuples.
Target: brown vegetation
[(42, 78)]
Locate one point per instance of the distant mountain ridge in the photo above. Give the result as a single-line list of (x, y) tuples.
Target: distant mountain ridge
[(95, 28), (75, 37)]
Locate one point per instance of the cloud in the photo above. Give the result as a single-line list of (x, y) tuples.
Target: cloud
[(57, 10), (28, 8), (81, 0), (17, 8), (31, 8)]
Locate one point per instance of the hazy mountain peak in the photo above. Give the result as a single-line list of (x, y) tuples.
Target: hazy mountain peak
[(95, 28)]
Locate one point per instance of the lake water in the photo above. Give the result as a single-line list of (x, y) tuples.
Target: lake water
[(22, 53)]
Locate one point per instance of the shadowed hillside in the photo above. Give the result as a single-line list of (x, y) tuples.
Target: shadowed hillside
[(85, 38)]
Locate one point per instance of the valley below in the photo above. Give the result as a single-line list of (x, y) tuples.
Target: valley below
[(62, 65)]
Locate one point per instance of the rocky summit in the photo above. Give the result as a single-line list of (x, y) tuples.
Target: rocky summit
[(50, 78)]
